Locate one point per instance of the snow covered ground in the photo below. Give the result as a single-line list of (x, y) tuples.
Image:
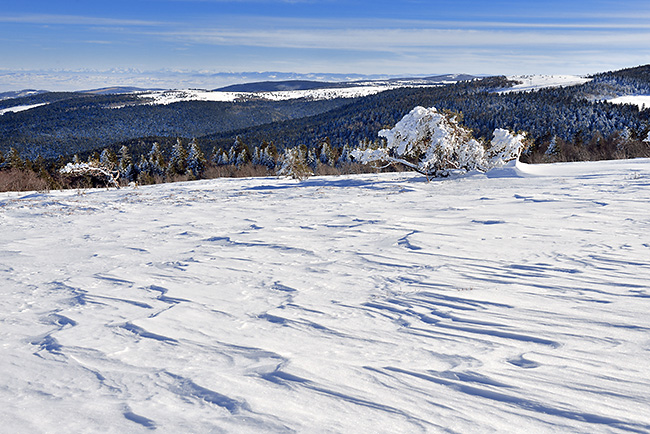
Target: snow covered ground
[(172, 96), (643, 101), (540, 81), (19, 108), (514, 302)]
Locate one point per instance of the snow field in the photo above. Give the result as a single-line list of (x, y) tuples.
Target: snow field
[(509, 302), (173, 96), (542, 81)]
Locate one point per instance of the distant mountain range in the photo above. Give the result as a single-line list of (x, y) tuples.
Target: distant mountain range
[(292, 85), (277, 85), (115, 90), (20, 93)]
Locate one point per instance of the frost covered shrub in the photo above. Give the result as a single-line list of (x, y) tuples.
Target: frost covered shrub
[(435, 144), (92, 170), (504, 147)]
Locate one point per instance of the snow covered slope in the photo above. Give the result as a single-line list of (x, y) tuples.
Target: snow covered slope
[(534, 82), (172, 96), (514, 302), (643, 101), (20, 108)]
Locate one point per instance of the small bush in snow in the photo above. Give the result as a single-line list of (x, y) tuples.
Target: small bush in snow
[(435, 144)]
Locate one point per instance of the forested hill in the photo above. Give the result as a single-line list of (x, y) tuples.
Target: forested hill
[(574, 114), (68, 123)]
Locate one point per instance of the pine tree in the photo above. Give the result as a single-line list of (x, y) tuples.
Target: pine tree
[(195, 161), (178, 160), (327, 155), (312, 159), (344, 158), (13, 160), (108, 159), (294, 163), (256, 160), (240, 153), (156, 161), (269, 155), (126, 167)]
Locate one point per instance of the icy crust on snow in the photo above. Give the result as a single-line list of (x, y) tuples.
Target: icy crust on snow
[(374, 303), (172, 96)]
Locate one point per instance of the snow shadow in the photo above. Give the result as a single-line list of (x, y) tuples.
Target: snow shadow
[(374, 184)]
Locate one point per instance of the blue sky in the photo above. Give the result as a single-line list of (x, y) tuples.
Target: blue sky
[(119, 40)]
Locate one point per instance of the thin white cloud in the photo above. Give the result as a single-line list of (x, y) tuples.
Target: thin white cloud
[(404, 39), (49, 19), (639, 22)]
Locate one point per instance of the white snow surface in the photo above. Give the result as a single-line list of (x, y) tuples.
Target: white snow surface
[(643, 101), (20, 108), (513, 301), (172, 96), (540, 81)]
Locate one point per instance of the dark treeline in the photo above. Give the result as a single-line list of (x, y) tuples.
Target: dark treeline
[(183, 161)]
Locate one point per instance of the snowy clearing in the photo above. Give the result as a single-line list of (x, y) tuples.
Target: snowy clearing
[(535, 82), (643, 101), (172, 96), (513, 302), (20, 108)]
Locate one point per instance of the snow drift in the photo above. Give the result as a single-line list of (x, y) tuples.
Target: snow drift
[(375, 303)]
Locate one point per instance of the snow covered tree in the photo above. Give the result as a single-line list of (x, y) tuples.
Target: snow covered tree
[(108, 159), (156, 161), (293, 163), (144, 168), (13, 160), (268, 155), (195, 161), (257, 160), (504, 147), (553, 148), (312, 159), (243, 157), (327, 155), (178, 160), (126, 167), (435, 144), (344, 158)]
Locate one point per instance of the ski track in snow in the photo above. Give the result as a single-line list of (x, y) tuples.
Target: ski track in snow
[(513, 302)]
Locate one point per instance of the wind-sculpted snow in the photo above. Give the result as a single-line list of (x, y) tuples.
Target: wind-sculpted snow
[(512, 301)]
